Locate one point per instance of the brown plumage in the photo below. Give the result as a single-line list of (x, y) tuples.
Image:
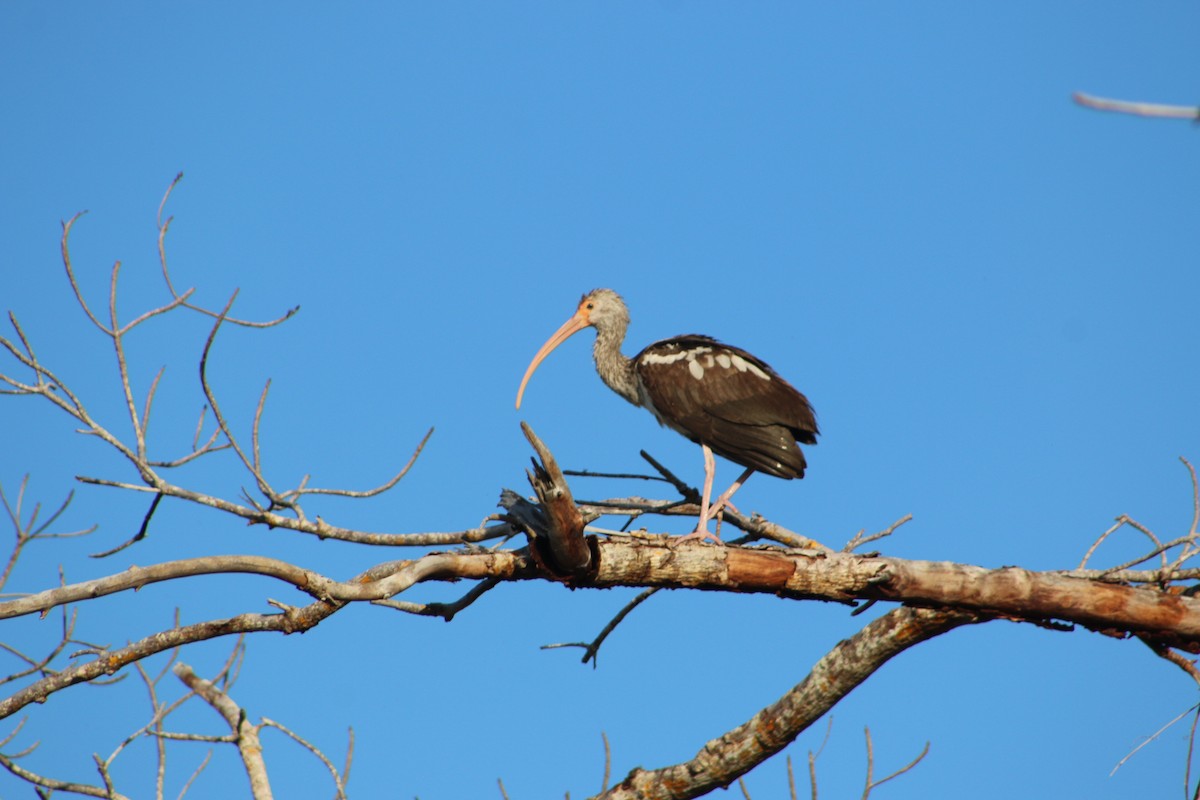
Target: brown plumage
[(721, 397), (749, 420)]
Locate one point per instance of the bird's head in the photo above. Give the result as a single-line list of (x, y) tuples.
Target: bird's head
[(602, 309)]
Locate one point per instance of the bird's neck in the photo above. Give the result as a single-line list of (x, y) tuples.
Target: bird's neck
[(615, 369)]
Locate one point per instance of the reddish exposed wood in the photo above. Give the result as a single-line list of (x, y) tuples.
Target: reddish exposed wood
[(1012, 592), (569, 553), (1022, 593)]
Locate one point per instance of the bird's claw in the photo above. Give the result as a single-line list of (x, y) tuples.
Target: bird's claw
[(699, 534)]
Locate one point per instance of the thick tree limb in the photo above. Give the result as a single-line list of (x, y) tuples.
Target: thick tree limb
[(799, 574), (724, 759)]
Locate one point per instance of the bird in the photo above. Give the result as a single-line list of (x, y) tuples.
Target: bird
[(721, 397)]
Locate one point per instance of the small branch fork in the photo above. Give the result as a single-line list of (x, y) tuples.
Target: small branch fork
[(871, 783), (592, 649), (244, 736), (27, 531), (279, 508), (1170, 568)]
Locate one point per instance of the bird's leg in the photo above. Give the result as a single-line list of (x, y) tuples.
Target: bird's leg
[(711, 511), (723, 501), (702, 532)]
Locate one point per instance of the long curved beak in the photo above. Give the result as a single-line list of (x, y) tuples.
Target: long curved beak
[(572, 326)]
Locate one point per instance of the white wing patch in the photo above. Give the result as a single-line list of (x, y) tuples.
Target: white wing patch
[(666, 358), (701, 358), (745, 366)]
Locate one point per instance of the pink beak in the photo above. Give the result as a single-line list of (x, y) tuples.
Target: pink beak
[(572, 326)]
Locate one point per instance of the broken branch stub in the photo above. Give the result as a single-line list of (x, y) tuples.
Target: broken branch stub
[(564, 549)]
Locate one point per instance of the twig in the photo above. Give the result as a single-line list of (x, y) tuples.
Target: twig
[(1187, 767), (137, 537), (40, 666), (369, 492), (587, 473), (349, 755), (812, 758), (338, 781), (317, 527), (1136, 108), (592, 649), (262, 402), (871, 784), (689, 493), (1194, 530), (155, 724), (56, 785), (1151, 738), (66, 258), (195, 774), (860, 540), (163, 226), (446, 611), (1166, 653), (607, 762), (263, 486), (1160, 549), (26, 532)]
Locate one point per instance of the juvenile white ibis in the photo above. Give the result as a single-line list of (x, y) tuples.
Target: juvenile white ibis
[(721, 397)]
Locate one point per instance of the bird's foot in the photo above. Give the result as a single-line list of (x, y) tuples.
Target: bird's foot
[(700, 534)]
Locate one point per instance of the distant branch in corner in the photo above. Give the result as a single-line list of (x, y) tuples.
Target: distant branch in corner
[(1140, 109)]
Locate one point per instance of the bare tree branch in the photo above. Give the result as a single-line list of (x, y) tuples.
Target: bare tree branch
[(592, 648), (859, 540), (339, 780), (163, 226), (1136, 108), (871, 783), (248, 743), (56, 785), (852, 661)]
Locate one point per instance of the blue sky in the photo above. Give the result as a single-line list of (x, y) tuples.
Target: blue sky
[(988, 293)]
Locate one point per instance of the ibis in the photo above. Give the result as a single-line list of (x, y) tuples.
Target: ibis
[(723, 398)]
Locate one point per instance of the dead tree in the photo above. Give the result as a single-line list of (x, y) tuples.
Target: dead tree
[(547, 538)]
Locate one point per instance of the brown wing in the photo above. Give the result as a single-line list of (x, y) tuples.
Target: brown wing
[(731, 401)]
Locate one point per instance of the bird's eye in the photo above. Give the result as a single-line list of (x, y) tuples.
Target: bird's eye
[(591, 306)]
